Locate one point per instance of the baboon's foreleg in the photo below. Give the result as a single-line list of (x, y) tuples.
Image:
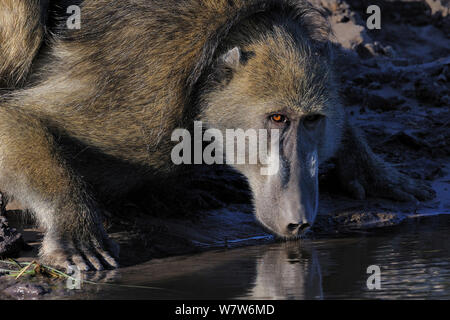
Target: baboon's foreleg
[(32, 171), (362, 173)]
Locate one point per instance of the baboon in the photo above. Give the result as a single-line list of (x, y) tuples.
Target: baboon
[(87, 114)]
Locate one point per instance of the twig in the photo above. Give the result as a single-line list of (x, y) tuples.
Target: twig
[(25, 269)]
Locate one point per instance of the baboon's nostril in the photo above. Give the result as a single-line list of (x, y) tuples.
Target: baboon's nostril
[(304, 226), (295, 227), (292, 227)]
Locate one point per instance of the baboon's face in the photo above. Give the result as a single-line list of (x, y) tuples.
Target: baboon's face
[(286, 87)]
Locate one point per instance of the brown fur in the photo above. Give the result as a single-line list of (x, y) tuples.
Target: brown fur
[(21, 37)]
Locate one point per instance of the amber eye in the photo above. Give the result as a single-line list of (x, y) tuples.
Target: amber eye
[(279, 118)]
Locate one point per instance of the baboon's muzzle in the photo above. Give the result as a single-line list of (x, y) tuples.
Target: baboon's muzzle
[(287, 202)]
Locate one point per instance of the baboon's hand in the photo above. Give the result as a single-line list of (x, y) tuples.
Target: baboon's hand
[(363, 174), (388, 183), (87, 255)]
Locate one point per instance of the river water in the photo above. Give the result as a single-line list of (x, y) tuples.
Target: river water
[(414, 260)]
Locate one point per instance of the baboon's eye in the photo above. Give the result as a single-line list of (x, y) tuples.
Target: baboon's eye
[(278, 118), (312, 119)]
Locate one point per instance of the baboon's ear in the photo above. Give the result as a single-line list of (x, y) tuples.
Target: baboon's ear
[(232, 58)]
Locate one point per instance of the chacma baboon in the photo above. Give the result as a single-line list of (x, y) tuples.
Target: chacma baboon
[(89, 114)]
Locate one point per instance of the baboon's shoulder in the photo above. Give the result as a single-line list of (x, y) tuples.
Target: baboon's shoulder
[(21, 35), (177, 40)]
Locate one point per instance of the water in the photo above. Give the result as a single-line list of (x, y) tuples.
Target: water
[(414, 259)]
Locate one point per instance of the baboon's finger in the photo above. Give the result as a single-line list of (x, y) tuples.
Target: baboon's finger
[(93, 260), (81, 264), (108, 258)]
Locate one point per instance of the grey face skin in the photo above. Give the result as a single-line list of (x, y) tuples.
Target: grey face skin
[(287, 202), (309, 129)]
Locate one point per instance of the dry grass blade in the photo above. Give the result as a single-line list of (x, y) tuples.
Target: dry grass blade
[(25, 269)]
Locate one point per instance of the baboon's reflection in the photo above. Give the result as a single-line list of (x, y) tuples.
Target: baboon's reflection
[(280, 271), (414, 259), (292, 273)]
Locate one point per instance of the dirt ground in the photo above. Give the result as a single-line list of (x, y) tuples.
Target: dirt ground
[(395, 85)]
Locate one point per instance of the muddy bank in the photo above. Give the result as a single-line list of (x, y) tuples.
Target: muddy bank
[(11, 241)]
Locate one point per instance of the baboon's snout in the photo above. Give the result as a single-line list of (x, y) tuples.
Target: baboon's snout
[(297, 210), (288, 216), (287, 203)]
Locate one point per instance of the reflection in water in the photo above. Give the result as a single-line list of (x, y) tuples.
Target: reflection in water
[(414, 261), (291, 272)]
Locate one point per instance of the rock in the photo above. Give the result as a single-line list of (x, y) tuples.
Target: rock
[(11, 242), (439, 7), (375, 86), (377, 102), (414, 12), (353, 94), (3, 202), (26, 291), (402, 138), (349, 35), (440, 12), (431, 92), (375, 49)]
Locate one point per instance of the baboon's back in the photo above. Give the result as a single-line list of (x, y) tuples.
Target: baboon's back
[(21, 36)]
